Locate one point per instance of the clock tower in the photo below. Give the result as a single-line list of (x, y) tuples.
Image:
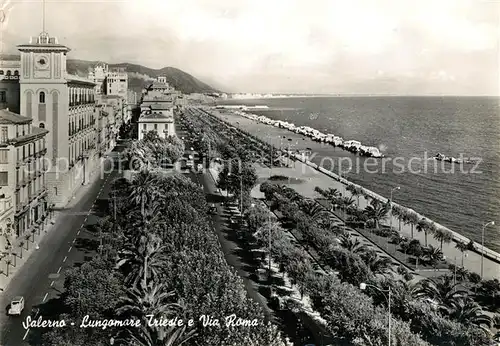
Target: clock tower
[(44, 92)]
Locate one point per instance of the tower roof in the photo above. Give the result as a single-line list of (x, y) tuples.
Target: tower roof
[(43, 42)]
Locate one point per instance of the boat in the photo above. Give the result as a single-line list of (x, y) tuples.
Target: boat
[(441, 157), (336, 141)]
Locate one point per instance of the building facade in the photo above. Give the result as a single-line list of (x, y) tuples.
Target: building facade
[(116, 82), (63, 105), (157, 109), (23, 167), (162, 124), (98, 76), (9, 85)]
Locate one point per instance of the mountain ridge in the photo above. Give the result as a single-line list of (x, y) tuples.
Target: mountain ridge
[(139, 76)]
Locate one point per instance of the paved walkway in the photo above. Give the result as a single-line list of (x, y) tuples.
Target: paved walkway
[(311, 178)]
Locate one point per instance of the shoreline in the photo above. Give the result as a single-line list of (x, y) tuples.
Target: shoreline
[(488, 253)]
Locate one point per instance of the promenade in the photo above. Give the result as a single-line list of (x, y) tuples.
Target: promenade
[(310, 178)]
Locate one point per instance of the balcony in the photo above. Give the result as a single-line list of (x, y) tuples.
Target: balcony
[(5, 204), (41, 152)]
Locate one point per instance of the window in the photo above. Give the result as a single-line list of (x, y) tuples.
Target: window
[(16, 73), (8, 73), (42, 125), (55, 191), (156, 126), (4, 134), (144, 126), (1, 72), (3, 96), (4, 156), (41, 97), (4, 178)]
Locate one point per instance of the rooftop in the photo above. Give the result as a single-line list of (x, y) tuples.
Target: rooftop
[(155, 117), (77, 79), (159, 106), (43, 41), (8, 117), (158, 85)]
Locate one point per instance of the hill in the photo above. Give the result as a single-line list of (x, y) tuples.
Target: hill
[(139, 75)]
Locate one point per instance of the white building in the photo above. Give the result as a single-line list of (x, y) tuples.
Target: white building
[(116, 82), (156, 121), (98, 76)]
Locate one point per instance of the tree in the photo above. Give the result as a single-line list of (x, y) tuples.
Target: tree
[(350, 267), (350, 315), (443, 236), (433, 255), (376, 263), (465, 310), (400, 213), (376, 212), (462, 247), (152, 300), (144, 259), (144, 189), (313, 209), (256, 217), (331, 195), (352, 245), (237, 177), (92, 289), (426, 227), (442, 290), (356, 191), (411, 218)]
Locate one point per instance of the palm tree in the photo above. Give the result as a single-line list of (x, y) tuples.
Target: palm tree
[(313, 209), (331, 195), (400, 214), (463, 247), (410, 218), (347, 203), (354, 246), (145, 258), (152, 300), (144, 189), (376, 263), (441, 290), (443, 235), (466, 311), (426, 227), (171, 336), (376, 212), (356, 191), (433, 255)]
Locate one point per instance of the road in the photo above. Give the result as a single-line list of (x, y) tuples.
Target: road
[(67, 244)]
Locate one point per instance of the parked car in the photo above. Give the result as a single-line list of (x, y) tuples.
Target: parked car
[(16, 306), (212, 208)]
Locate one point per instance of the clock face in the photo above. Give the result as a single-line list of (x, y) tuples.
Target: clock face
[(42, 62)]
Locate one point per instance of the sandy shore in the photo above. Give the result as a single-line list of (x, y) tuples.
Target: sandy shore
[(311, 178)]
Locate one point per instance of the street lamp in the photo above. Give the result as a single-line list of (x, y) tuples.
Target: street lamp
[(363, 286), (491, 223), (390, 201)]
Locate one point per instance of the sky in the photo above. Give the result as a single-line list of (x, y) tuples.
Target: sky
[(401, 47)]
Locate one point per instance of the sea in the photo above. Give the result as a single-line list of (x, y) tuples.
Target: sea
[(409, 131)]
